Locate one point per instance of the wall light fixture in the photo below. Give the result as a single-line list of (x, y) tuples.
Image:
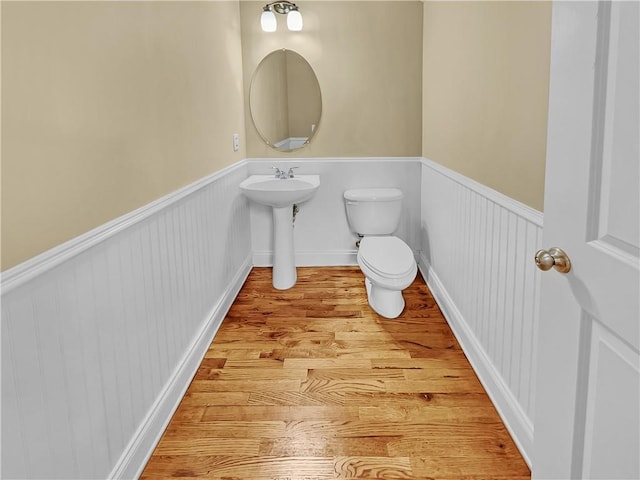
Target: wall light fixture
[(268, 18)]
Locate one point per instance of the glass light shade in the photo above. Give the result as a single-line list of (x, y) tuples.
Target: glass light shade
[(294, 21), (268, 21)]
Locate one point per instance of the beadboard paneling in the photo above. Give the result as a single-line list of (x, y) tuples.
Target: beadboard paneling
[(322, 235), (477, 257), (100, 337)]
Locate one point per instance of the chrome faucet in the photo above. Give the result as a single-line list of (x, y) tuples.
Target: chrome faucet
[(282, 175), (279, 173)]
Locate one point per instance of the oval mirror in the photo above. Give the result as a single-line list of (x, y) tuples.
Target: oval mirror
[(285, 100)]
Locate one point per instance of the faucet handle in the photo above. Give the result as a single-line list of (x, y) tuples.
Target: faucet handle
[(290, 172), (279, 172)]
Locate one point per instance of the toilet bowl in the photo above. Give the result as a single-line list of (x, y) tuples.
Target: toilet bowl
[(386, 261), (389, 267)]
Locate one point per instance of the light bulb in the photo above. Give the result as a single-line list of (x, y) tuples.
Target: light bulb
[(268, 21), (294, 21)]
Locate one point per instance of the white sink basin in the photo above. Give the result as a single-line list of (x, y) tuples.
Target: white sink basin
[(280, 195), (276, 192)]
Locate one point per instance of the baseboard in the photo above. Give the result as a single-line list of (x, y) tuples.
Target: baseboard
[(310, 258), (142, 444), (516, 421), (327, 259)]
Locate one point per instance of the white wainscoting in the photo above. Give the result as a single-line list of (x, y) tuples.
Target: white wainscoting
[(321, 234), (477, 257), (102, 335)]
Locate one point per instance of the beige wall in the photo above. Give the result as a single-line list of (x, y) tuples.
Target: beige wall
[(485, 92), (107, 106), (367, 57)]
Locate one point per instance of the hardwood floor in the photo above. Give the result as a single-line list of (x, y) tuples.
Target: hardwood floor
[(310, 383)]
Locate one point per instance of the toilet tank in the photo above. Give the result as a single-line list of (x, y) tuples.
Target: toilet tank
[(374, 211)]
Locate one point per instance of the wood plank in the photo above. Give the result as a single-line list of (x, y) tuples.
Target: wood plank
[(254, 374), (278, 412), (335, 351), (435, 385), (380, 399), (358, 428), (260, 363), (235, 353), (369, 337), (330, 374), (216, 398), (363, 428), (428, 414), (310, 324), (236, 466), (455, 467), (326, 447), (440, 359), (347, 385), (188, 413), (373, 467), (259, 344), (227, 429), (245, 386), (490, 445), (417, 374), (206, 447), (336, 362)]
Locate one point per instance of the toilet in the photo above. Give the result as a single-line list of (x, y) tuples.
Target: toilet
[(387, 262)]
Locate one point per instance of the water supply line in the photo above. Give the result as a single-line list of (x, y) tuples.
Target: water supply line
[(296, 210)]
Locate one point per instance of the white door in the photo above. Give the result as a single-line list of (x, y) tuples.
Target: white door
[(587, 393)]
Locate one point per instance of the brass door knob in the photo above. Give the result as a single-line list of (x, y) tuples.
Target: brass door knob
[(554, 257)]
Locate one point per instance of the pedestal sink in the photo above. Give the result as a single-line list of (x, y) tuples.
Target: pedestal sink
[(281, 194)]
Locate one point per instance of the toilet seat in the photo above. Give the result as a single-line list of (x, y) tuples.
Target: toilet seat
[(388, 261), (387, 256)]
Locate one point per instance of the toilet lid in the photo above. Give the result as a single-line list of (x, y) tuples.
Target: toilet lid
[(373, 194), (387, 256)]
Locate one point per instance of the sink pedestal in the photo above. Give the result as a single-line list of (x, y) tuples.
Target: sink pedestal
[(284, 266)]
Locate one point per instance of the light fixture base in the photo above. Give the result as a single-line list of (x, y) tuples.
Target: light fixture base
[(282, 7)]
